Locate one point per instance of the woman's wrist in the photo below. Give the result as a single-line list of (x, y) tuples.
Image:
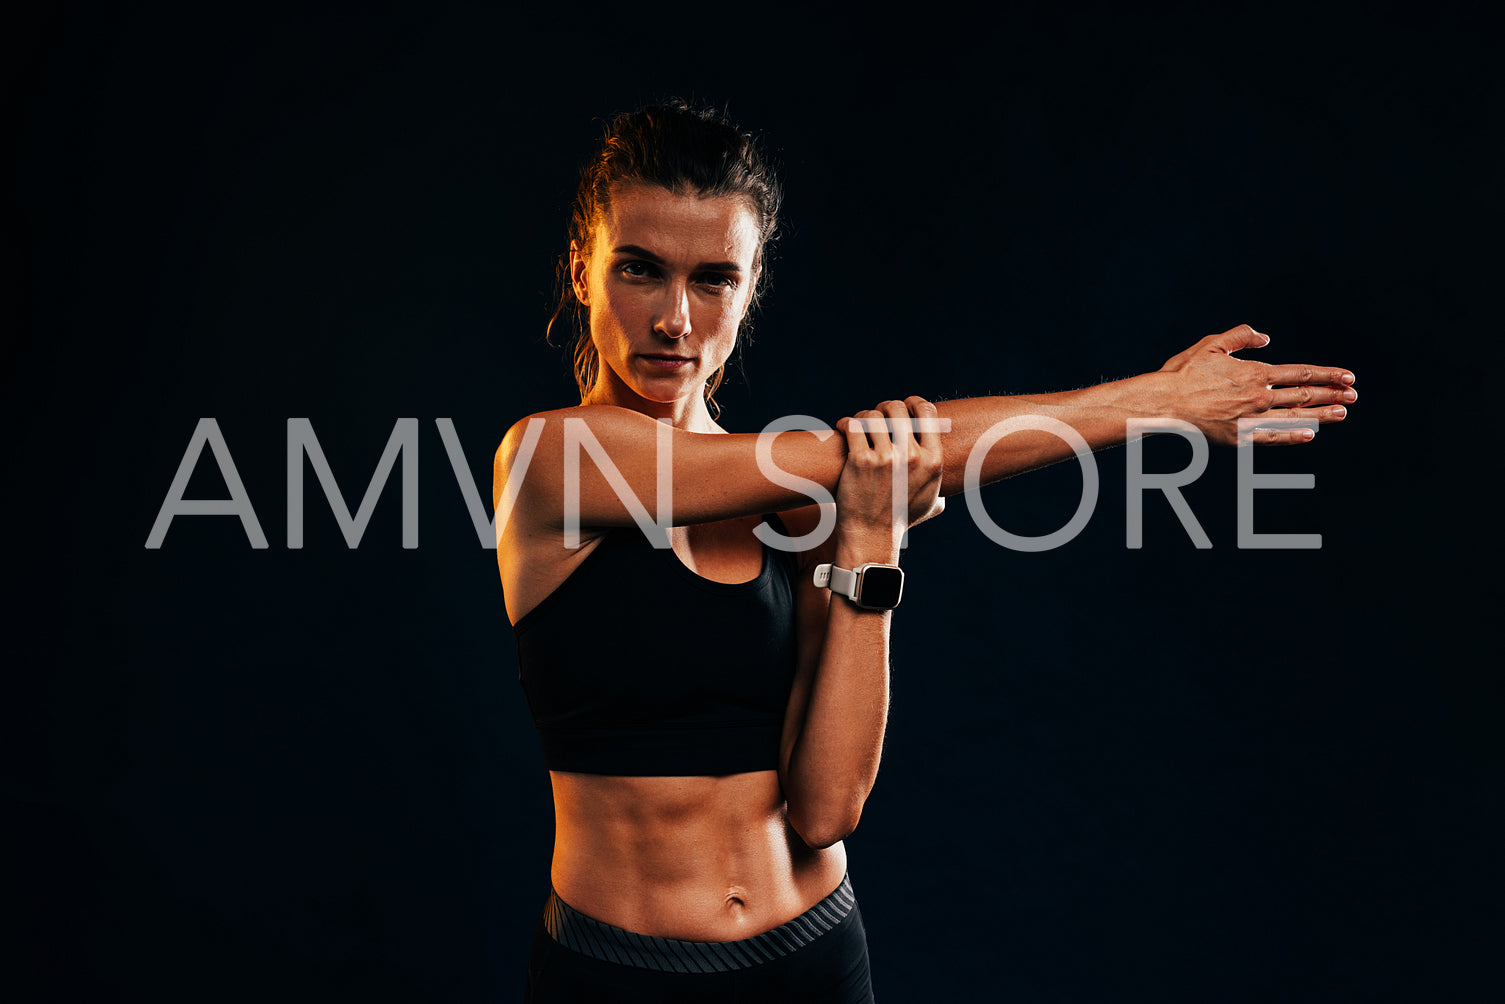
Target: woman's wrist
[(856, 546), (1155, 395)]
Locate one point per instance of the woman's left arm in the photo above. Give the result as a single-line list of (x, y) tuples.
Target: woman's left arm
[(838, 708)]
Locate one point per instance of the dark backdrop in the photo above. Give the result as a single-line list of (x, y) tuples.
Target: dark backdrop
[(1111, 775)]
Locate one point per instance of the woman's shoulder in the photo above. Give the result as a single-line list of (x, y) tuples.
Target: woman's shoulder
[(595, 419), (588, 413)]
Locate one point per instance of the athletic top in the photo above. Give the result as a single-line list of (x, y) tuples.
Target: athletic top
[(636, 666)]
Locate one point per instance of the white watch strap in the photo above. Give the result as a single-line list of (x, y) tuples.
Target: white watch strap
[(843, 581)]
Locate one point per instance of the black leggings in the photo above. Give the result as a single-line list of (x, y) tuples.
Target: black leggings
[(819, 957)]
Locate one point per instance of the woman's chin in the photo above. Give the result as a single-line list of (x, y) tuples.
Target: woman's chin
[(666, 390)]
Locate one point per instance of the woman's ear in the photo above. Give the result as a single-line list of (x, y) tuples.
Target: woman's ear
[(577, 274)]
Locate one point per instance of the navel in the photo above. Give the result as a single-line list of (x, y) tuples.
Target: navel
[(736, 898)]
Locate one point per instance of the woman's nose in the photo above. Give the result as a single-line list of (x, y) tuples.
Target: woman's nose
[(674, 317)]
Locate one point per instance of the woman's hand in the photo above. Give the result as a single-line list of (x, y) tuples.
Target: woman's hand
[(892, 476), (1215, 390)]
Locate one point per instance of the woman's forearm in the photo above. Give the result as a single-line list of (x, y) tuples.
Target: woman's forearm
[(834, 761), (1099, 414)]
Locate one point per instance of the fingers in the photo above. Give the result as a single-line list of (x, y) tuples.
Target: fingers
[(888, 429), (1302, 395), (865, 434), (908, 430), (1313, 398), (1235, 338), (899, 428), (898, 420), (1296, 375), (930, 433), (1289, 426), (1281, 437), (1245, 337), (892, 476), (1288, 418)]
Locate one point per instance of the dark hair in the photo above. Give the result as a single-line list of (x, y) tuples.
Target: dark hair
[(682, 149)]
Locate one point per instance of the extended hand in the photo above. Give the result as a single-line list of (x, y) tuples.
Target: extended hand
[(1288, 401)]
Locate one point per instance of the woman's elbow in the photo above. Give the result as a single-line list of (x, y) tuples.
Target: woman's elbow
[(823, 829)]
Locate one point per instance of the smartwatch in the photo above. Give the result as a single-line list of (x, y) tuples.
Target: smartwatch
[(870, 586)]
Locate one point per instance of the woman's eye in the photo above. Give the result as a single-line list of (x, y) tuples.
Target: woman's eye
[(638, 269), (720, 282)]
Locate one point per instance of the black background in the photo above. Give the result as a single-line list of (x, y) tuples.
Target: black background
[(1111, 775)]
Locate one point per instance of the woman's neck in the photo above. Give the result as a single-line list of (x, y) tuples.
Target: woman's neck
[(688, 413)]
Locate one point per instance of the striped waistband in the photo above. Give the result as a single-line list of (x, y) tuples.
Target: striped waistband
[(589, 936)]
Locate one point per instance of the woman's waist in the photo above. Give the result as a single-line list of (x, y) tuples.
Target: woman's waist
[(702, 859), (705, 903), (608, 943)]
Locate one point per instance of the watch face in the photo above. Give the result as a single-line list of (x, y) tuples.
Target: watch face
[(880, 587)]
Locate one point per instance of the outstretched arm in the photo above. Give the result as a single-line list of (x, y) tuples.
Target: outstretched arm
[(720, 476)]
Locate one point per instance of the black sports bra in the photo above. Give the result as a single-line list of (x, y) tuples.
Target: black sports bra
[(637, 666)]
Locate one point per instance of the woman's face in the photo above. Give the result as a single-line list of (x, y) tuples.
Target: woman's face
[(667, 281)]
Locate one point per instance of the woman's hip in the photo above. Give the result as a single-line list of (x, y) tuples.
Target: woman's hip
[(819, 956)]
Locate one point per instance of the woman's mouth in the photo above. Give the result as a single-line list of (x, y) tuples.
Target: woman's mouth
[(666, 363)]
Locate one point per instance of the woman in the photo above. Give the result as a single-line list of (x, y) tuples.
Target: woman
[(711, 717)]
